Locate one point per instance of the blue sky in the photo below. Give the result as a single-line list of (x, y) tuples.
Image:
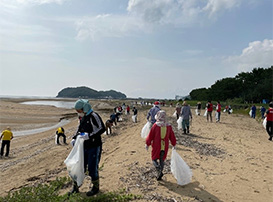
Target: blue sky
[(143, 48)]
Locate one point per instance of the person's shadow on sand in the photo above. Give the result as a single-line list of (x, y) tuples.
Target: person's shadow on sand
[(192, 190)]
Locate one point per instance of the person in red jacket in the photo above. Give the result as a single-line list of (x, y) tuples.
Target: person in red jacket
[(210, 109), (160, 135), (269, 121)]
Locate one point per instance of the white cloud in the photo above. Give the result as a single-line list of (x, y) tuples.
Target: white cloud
[(179, 12), (216, 6), (145, 16), (257, 54), (106, 26)]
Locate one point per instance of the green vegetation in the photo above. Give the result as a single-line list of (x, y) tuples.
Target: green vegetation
[(50, 192), (246, 87), (85, 92)]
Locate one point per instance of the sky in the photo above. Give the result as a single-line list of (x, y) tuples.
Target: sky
[(142, 48)]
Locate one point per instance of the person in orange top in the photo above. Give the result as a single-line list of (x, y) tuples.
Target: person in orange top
[(160, 135), (6, 137), (269, 121)]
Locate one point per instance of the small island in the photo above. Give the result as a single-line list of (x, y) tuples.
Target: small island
[(85, 92)]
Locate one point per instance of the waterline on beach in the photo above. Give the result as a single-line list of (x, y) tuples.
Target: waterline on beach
[(40, 130)]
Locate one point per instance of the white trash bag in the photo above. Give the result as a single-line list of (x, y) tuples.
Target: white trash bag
[(196, 111), (75, 162), (174, 114), (56, 137), (180, 170), (205, 114), (179, 122), (134, 118), (146, 129), (250, 113), (264, 122)]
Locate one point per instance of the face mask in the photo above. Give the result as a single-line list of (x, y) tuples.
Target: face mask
[(81, 114)]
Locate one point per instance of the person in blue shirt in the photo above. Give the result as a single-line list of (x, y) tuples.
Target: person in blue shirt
[(262, 110), (253, 113), (152, 112)]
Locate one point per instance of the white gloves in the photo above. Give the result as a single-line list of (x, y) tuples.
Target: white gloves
[(84, 136), (72, 142)]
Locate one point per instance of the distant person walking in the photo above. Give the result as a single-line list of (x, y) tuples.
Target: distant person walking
[(209, 112), (160, 135), (135, 114), (152, 112), (6, 138), (253, 112), (262, 110), (199, 106), (60, 132), (186, 115), (128, 109), (269, 122), (178, 110), (218, 111)]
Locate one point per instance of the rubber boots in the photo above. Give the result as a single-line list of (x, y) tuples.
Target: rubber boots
[(188, 129), (184, 131), (75, 189), (95, 189)]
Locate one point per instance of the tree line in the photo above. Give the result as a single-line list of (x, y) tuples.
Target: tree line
[(246, 87)]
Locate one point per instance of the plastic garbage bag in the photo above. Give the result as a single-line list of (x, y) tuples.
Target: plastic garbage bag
[(146, 129), (179, 122), (174, 114), (134, 118), (196, 111), (75, 162), (205, 114), (250, 113), (56, 137), (264, 122), (180, 170)]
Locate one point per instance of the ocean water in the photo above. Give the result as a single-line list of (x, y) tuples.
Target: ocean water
[(59, 104)]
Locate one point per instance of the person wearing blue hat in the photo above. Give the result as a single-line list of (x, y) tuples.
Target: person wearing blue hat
[(90, 129)]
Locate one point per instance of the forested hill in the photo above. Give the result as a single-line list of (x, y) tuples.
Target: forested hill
[(253, 86), (85, 92)]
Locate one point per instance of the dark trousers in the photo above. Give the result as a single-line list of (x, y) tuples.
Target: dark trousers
[(159, 166), (92, 160), (58, 137), (5, 143), (269, 128)]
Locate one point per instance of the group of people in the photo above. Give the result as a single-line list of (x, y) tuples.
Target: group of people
[(91, 127)]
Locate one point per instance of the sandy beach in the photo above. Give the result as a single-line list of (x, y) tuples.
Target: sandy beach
[(231, 160)]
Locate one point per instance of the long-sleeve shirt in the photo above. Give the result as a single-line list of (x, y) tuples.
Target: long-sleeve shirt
[(152, 113), (155, 139), (186, 113), (93, 125)]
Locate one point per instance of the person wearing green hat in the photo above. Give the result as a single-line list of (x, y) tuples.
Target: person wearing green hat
[(91, 128)]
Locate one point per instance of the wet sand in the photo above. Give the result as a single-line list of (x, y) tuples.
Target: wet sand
[(231, 160)]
